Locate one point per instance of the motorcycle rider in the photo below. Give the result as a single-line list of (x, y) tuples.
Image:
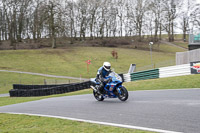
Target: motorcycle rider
[(102, 73)]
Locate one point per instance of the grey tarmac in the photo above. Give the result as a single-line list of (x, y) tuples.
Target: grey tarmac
[(171, 110), (4, 95)]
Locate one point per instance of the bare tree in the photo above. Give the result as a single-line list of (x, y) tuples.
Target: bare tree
[(10, 11), (121, 10), (35, 19), (22, 7), (185, 16), (112, 19), (52, 10), (195, 17), (140, 9), (93, 8), (1, 22), (156, 8), (82, 18)]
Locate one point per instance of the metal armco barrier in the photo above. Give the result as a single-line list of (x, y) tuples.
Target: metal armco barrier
[(149, 74), (44, 90), (171, 71), (142, 75)]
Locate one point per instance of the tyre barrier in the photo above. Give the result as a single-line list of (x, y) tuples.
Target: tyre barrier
[(44, 90)]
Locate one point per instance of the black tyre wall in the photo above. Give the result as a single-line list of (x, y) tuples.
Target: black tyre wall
[(44, 90)]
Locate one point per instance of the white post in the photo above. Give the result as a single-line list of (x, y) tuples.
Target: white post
[(151, 43)]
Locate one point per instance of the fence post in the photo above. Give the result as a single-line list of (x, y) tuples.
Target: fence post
[(45, 83)]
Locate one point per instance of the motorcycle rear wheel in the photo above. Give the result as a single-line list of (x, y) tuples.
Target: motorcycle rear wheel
[(97, 96), (124, 94)]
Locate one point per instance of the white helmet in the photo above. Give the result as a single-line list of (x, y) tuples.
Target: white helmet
[(107, 66)]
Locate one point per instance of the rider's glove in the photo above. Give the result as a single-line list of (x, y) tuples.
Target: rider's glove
[(109, 80)]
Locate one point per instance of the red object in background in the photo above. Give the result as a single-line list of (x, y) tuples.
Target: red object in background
[(88, 62)]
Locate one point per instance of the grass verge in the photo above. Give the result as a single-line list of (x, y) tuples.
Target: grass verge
[(72, 61), (34, 124), (182, 44), (13, 100), (179, 82)]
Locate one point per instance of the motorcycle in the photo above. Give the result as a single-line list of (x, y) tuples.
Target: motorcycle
[(112, 89)]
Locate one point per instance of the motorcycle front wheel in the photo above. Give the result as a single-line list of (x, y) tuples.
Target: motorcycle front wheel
[(97, 96), (123, 94)]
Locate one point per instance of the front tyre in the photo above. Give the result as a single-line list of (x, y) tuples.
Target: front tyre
[(97, 96), (122, 93)]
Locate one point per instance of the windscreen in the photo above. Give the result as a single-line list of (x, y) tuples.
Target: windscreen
[(113, 74)]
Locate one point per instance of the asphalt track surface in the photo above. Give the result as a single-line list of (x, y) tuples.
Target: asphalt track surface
[(4, 95), (45, 75), (167, 110)]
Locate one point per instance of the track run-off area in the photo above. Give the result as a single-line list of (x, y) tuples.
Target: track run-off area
[(154, 110)]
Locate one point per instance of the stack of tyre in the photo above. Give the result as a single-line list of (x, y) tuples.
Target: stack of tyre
[(20, 90)]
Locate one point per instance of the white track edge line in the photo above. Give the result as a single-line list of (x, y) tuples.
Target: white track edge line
[(169, 89), (97, 122)]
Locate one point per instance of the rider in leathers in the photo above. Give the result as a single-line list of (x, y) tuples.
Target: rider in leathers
[(101, 74)]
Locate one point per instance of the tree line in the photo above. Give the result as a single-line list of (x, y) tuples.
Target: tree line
[(78, 19)]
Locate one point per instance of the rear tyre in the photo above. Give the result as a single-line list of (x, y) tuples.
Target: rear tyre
[(98, 96), (124, 94)]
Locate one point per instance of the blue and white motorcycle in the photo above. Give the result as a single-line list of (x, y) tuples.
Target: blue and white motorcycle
[(112, 89)]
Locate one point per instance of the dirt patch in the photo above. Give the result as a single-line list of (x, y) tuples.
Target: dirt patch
[(64, 43), (5, 45), (34, 44), (5, 68)]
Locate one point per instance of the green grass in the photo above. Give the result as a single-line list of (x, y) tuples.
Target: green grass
[(163, 48), (13, 100), (180, 37), (167, 49), (7, 80), (180, 82), (34, 124), (72, 61), (176, 36), (181, 43)]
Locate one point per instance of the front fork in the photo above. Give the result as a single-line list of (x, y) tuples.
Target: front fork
[(118, 90), (93, 88)]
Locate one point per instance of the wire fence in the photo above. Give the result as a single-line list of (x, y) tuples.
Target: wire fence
[(60, 81), (9, 83), (187, 57)]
